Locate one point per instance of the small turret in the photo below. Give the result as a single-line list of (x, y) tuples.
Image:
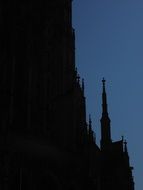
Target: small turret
[(91, 133), (126, 153)]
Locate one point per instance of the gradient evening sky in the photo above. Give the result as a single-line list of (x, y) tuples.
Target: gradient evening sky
[(109, 43)]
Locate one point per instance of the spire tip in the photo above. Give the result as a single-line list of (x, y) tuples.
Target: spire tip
[(103, 81)]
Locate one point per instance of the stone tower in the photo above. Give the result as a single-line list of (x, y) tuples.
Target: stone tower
[(40, 87)]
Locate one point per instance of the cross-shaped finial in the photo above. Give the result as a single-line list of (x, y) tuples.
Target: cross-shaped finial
[(103, 80)]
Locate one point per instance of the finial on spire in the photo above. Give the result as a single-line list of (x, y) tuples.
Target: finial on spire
[(103, 81)]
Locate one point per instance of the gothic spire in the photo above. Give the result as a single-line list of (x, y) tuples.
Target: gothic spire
[(104, 99), (105, 121)]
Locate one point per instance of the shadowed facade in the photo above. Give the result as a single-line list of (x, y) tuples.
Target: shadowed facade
[(46, 142)]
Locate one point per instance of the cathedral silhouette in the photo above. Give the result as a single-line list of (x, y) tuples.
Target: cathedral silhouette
[(45, 139)]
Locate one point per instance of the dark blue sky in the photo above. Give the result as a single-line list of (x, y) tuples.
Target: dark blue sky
[(109, 43)]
